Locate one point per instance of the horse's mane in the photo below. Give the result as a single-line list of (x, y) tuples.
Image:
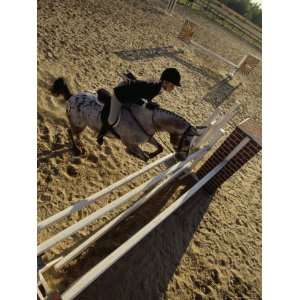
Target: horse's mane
[(172, 114)]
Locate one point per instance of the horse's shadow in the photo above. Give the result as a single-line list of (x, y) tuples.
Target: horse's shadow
[(145, 271)]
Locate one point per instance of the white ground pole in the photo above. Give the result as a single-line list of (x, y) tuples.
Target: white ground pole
[(93, 198), (102, 266), (74, 253)]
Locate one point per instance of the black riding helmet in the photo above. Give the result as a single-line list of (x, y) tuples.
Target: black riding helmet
[(172, 75)]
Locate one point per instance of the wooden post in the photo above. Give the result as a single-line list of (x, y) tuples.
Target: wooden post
[(248, 128), (187, 31), (247, 64)]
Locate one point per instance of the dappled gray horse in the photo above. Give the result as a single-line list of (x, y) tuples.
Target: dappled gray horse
[(136, 124)]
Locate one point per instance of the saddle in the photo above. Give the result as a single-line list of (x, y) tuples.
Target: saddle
[(104, 97)]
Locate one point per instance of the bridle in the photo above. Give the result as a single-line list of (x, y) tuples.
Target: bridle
[(183, 136)]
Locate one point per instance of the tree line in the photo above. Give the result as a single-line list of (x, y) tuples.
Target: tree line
[(251, 11)]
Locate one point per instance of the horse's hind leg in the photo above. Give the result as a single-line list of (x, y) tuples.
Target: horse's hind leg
[(77, 144), (76, 131), (137, 152)]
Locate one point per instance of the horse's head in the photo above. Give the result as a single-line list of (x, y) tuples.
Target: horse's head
[(182, 133), (182, 142)]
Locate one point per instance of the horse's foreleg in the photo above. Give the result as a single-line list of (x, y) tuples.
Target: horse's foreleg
[(156, 144), (137, 152)]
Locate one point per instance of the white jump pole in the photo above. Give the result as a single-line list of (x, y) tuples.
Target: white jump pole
[(93, 198), (74, 253), (44, 246), (213, 118), (215, 127), (213, 141), (77, 226), (101, 267)]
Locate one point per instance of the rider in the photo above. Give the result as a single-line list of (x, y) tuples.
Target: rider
[(139, 92)]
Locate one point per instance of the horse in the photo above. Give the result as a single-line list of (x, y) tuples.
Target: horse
[(136, 124)]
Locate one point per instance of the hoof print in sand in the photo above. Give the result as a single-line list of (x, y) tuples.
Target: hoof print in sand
[(215, 275), (93, 158), (205, 289), (76, 160), (46, 198), (198, 297), (107, 150), (72, 171), (49, 179), (57, 144)]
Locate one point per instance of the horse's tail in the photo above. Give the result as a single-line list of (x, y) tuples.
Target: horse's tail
[(60, 87)]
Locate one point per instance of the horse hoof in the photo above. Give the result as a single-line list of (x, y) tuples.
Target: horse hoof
[(100, 141), (76, 151), (146, 158), (79, 151)]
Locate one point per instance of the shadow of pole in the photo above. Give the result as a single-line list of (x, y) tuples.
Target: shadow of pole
[(168, 51), (145, 271), (46, 155)]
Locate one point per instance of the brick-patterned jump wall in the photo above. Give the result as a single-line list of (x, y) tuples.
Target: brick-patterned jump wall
[(248, 128)]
